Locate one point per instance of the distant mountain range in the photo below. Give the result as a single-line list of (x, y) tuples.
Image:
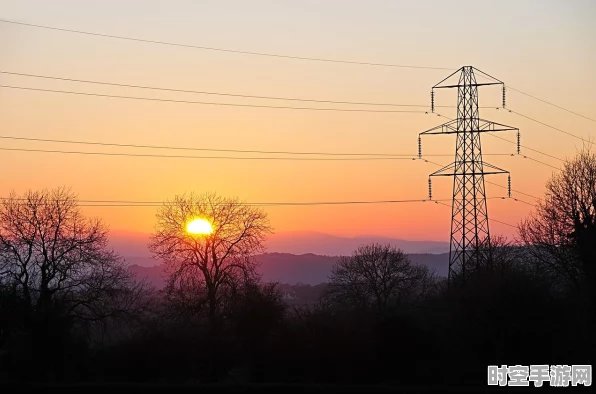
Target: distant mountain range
[(293, 257), (302, 242), (134, 245), (310, 269)]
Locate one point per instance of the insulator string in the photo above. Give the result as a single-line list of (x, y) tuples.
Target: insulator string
[(430, 193), (419, 147), (503, 96), (432, 101)]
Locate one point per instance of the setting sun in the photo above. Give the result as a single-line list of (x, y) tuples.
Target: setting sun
[(199, 226)]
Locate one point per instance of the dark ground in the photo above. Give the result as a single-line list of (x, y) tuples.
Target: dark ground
[(270, 388)]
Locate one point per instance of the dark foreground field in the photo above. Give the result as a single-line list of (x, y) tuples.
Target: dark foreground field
[(269, 388)]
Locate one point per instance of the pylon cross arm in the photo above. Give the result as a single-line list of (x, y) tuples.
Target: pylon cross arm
[(454, 169), (484, 126), (446, 128), (473, 84)]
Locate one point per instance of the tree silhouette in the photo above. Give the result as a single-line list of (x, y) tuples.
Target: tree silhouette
[(59, 280), (377, 276), (51, 254), (561, 233), (204, 268)]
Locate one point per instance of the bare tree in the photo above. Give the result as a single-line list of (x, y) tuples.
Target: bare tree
[(504, 257), (208, 265), (53, 257), (378, 276), (561, 233)]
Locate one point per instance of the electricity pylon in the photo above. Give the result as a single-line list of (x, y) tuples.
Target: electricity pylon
[(470, 236)]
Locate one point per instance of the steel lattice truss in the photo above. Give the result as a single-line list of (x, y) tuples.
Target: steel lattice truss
[(470, 235)]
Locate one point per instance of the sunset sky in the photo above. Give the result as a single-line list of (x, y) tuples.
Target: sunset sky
[(544, 48)]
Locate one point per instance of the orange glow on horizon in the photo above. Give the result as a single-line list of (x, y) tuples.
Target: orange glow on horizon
[(386, 33)]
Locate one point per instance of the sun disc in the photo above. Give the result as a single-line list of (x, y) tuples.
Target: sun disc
[(199, 226)]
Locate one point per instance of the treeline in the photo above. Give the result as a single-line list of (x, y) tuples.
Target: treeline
[(71, 312)]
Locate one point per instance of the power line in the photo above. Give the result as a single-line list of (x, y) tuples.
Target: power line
[(206, 103), (280, 107), (204, 149), (554, 105), (541, 162), (223, 94), (133, 203), (199, 149), (388, 155), (544, 101), (503, 154), (524, 202), (153, 204), (526, 147), (210, 157), (516, 191), (129, 203), (411, 157), (491, 219), (210, 93), (553, 127), (506, 224), (492, 183), (222, 49), (274, 55), (272, 204)]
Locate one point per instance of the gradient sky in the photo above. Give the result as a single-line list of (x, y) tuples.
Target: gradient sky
[(545, 48)]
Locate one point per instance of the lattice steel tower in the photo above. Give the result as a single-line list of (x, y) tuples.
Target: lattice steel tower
[(470, 235)]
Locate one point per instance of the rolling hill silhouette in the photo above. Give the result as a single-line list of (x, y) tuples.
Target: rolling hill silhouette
[(134, 245), (290, 268), (303, 242), (293, 257)]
